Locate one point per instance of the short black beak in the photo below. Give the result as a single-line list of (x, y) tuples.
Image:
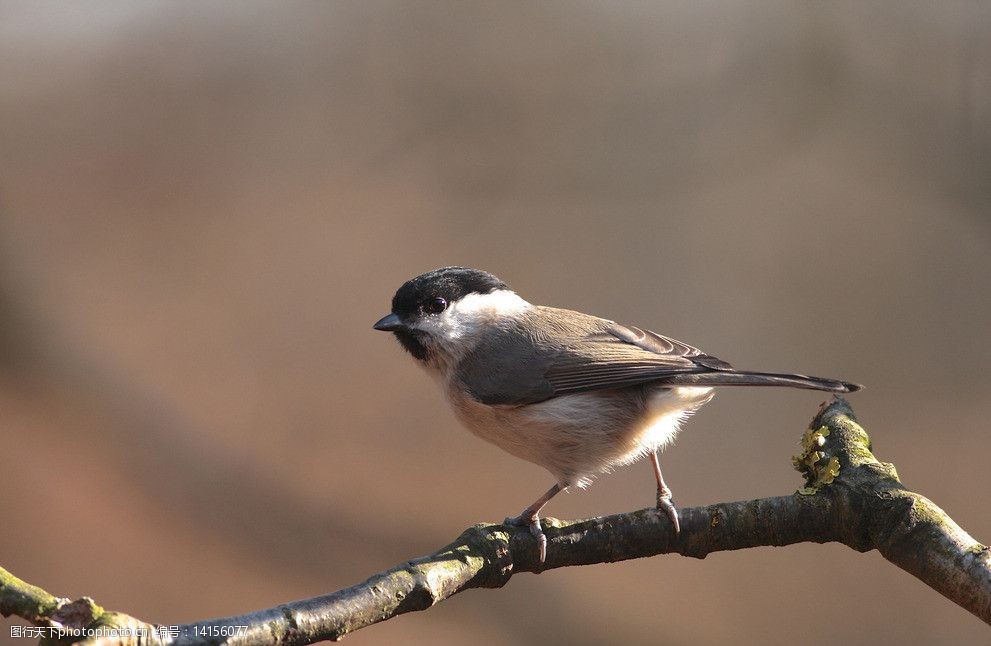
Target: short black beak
[(389, 323)]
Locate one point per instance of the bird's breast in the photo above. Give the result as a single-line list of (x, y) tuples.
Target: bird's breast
[(576, 436)]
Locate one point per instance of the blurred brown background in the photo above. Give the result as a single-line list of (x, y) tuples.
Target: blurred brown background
[(204, 207)]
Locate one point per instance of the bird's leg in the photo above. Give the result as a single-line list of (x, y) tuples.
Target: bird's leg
[(529, 518), (664, 502)]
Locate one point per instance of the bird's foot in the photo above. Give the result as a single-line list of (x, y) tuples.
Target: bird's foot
[(532, 522), (666, 504)]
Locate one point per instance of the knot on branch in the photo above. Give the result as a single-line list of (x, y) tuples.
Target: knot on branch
[(491, 542), (76, 614)]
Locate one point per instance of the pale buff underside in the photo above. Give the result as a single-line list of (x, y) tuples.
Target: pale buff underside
[(578, 436)]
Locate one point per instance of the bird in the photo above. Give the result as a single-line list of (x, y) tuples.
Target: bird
[(576, 394)]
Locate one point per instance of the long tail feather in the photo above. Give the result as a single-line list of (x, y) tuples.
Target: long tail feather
[(734, 378)]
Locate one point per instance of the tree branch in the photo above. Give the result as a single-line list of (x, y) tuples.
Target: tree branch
[(849, 497)]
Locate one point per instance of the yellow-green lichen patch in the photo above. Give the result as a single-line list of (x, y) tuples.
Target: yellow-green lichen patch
[(810, 461), (829, 473), (805, 461)]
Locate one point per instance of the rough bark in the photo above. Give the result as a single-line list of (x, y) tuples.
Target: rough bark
[(849, 497)]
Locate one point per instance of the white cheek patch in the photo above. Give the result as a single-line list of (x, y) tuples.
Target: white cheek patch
[(501, 302)]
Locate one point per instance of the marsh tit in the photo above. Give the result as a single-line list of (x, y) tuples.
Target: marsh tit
[(573, 393)]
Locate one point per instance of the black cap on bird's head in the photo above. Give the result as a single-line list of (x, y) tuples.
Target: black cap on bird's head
[(449, 283), (429, 294)]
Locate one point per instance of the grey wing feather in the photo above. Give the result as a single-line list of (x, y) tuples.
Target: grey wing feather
[(622, 355), (573, 353)]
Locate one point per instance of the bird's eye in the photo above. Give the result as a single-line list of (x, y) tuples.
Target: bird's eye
[(435, 306)]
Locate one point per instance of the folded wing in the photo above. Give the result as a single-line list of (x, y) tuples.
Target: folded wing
[(578, 353)]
